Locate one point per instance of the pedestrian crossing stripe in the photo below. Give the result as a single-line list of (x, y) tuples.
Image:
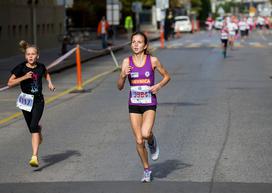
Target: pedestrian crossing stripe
[(238, 45), (256, 44), (214, 46), (193, 45)]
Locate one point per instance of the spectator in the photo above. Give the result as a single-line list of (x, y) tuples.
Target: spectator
[(102, 31)]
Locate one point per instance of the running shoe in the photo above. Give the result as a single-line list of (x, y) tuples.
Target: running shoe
[(34, 161), (147, 176), (154, 149)]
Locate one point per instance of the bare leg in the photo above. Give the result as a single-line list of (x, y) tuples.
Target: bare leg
[(35, 143), (136, 124)]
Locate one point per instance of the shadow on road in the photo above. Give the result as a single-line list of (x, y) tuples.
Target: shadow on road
[(162, 170), (182, 104), (56, 158)]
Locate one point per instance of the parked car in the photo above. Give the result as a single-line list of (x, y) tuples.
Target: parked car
[(183, 24), (218, 24)]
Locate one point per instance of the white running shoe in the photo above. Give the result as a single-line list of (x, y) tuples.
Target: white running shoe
[(154, 149), (147, 176)]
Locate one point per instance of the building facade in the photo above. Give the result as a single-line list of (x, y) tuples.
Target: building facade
[(263, 7), (36, 21)]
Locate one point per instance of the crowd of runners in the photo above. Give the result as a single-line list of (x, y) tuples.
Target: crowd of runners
[(234, 28)]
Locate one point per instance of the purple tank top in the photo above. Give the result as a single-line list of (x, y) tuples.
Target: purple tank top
[(140, 80)]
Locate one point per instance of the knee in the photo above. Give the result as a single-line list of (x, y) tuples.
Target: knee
[(140, 141), (146, 135), (34, 128)]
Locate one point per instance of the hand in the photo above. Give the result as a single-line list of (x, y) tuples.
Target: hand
[(28, 75), (155, 88), (51, 87), (126, 71)]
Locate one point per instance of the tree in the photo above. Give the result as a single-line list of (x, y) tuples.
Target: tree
[(127, 4), (205, 9), (86, 13), (196, 6)]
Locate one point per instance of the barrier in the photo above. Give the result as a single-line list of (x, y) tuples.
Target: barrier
[(79, 73), (193, 26), (60, 59), (162, 36), (4, 88), (198, 25), (78, 61), (114, 58), (54, 63)]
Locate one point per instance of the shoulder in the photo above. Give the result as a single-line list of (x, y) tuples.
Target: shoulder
[(154, 62), (154, 59), (20, 66), (126, 60), (18, 69), (42, 66)]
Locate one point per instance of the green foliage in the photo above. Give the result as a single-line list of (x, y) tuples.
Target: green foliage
[(205, 9), (228, 6), (196, 6), (126, 4)]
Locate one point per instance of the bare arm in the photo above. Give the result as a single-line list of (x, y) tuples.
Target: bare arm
[(125, 71), (50, 84), (13, 80), (163, 72)]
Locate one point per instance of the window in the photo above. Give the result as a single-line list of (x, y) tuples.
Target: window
[(52, 28), (43, 28), (26, 30), (14, 30), (48, 28), (60, 28), (20, 30), (38, 29), (9, 30)]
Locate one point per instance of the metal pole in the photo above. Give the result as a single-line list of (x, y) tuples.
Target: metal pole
[(65, 18), (113, 24), (34, 24)]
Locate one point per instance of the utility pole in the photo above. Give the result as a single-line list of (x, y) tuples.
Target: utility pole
[(65, 18), (33, 18)]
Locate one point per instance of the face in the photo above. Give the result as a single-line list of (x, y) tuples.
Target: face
[(31, 55), (138, 44)]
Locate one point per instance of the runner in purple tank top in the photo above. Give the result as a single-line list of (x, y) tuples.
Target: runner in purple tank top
[(142, 102)]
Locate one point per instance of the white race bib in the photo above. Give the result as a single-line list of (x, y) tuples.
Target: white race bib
[(25, 101), (224, 36), (140, 94)]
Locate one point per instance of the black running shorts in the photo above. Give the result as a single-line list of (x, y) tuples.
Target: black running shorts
[(141, 109)]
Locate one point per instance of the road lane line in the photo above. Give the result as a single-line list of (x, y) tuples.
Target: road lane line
[(53, 98)]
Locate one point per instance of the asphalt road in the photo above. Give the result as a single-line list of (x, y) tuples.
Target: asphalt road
[(213, 126)]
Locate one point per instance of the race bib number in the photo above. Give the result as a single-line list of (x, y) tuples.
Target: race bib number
[(224, 36), (25, 101), (140, 95)]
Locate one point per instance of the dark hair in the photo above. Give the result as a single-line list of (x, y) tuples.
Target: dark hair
[(24, 45), (146, 51)]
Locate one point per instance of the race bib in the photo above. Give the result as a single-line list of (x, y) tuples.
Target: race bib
[(25, 101), (140, 95), (224, 36)]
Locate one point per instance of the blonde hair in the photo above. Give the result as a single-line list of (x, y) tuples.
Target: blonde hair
[(24, 45)]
